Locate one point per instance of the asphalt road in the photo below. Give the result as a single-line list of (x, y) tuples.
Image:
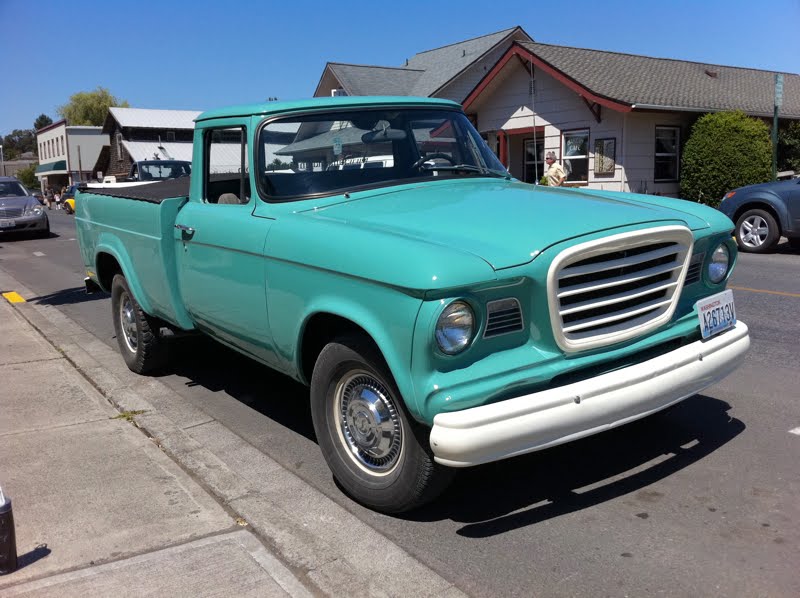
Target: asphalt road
[(700, 499)]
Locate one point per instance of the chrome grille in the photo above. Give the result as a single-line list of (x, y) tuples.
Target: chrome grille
[(7, 212), (613, 289), (502, 316)]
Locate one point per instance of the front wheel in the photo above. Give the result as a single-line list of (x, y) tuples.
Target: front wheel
[(757, 231), (137, 333), (377, 453)]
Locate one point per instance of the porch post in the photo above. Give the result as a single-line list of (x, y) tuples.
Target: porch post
[(501, 136)]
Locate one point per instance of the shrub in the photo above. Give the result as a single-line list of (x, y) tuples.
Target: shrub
[(789, 146), (28, 177), (725, 150)]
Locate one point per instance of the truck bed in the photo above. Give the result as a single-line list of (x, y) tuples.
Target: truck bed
[(150, 192)]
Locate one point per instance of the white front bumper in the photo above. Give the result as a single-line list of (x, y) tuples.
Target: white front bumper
[(557, 415)]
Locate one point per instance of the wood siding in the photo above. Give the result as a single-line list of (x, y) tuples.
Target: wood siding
[(506, 104)]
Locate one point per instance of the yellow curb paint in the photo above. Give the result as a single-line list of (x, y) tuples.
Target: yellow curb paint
[(13, 297), (764, 291)]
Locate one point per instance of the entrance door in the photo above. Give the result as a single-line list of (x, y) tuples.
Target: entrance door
[(220, 246), (534, 160)]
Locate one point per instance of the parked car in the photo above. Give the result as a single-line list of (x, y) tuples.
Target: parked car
[(158, 170), (444, 314), (20, 212), (763, 213), (68, 199)]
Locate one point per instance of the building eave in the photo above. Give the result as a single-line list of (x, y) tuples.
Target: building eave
[(562, 77)]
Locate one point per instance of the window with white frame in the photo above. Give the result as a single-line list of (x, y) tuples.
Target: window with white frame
[(667, 152), (119, 147), (576, 156)]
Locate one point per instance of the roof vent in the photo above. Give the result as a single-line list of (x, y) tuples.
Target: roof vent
[(712, 74)]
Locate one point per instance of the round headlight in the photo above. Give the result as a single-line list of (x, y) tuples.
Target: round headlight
[(718, 266), (455, 327)]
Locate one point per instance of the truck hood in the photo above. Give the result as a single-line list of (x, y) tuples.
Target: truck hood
[(504, 223)]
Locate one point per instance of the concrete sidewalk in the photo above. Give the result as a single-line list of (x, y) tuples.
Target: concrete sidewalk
[(98, 508), (165, 499)]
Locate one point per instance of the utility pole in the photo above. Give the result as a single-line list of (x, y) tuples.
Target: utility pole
[(2, 163), (778, 104)]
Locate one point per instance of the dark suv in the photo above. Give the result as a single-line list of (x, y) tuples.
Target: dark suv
[(763, 213)]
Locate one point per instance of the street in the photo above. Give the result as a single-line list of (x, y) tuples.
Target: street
[(700, 499)]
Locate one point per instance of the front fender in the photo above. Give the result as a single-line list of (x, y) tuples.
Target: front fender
[(764, 198), (392, 331)]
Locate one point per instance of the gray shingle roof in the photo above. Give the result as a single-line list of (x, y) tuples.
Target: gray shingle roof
[(425, 72), (440, 65), (361, 80), (643, 80)]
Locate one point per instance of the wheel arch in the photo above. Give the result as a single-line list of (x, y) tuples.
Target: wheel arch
[(323, 326), (762, 203), (109, 261)]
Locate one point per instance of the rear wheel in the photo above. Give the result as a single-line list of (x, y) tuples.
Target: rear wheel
[(379, 455), (757, 231), (137, 333)]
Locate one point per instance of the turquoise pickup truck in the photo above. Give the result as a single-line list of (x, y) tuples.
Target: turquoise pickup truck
[(444, 314)]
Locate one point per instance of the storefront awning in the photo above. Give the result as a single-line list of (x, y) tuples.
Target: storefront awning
[(57, 167)]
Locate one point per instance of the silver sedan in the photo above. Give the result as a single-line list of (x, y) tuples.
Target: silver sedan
[(21, 212)]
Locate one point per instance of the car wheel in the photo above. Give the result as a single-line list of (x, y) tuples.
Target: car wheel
[(757, 231), (45, 234), (137, 333), (376, 452)]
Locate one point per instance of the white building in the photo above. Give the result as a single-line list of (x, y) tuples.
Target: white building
[(67, 153)]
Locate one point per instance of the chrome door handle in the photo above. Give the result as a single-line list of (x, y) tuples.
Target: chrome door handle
[(186, 229)]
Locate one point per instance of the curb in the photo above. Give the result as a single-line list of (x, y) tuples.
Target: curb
[(327, 547)]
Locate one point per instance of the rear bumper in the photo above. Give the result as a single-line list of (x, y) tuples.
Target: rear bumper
[(558, 415)]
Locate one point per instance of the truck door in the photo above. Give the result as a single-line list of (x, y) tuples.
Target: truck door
[(220, 243)]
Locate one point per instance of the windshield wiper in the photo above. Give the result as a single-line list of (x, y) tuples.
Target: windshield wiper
[(469, 168)]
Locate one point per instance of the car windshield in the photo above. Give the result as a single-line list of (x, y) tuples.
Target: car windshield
[(316, 154), (164, 169), (11, 189)]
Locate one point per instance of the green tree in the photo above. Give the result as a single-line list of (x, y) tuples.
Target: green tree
[(89, 107), (789, 146), (41, 122), (18, 142), (725, 150), (28, 176)]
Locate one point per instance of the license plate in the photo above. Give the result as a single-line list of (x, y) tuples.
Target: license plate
[(716, 313), (6, 223)]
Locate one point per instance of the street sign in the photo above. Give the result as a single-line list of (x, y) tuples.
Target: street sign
[(779, 89)]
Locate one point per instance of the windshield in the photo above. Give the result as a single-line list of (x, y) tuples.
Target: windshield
[(164, 169), (12, 189), (316, 154)]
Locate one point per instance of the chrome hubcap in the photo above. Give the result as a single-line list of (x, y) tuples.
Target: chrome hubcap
[(368, 422), (753, 231), (127, 320)]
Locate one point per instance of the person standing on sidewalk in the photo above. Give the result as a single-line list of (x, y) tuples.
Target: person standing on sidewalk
[(555, 174)]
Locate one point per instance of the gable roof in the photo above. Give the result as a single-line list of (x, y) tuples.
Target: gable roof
[(441, 65), (152, 119), (363, 80), (423, 74), (645, 82)]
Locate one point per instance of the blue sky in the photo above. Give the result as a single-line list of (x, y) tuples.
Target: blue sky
[(205, 54)]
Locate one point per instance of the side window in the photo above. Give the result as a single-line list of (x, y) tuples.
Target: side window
[(226, 175), (667, 158)]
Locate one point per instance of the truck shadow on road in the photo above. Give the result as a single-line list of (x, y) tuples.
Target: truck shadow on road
[(68, 297), (508, 495), (206, 363)]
